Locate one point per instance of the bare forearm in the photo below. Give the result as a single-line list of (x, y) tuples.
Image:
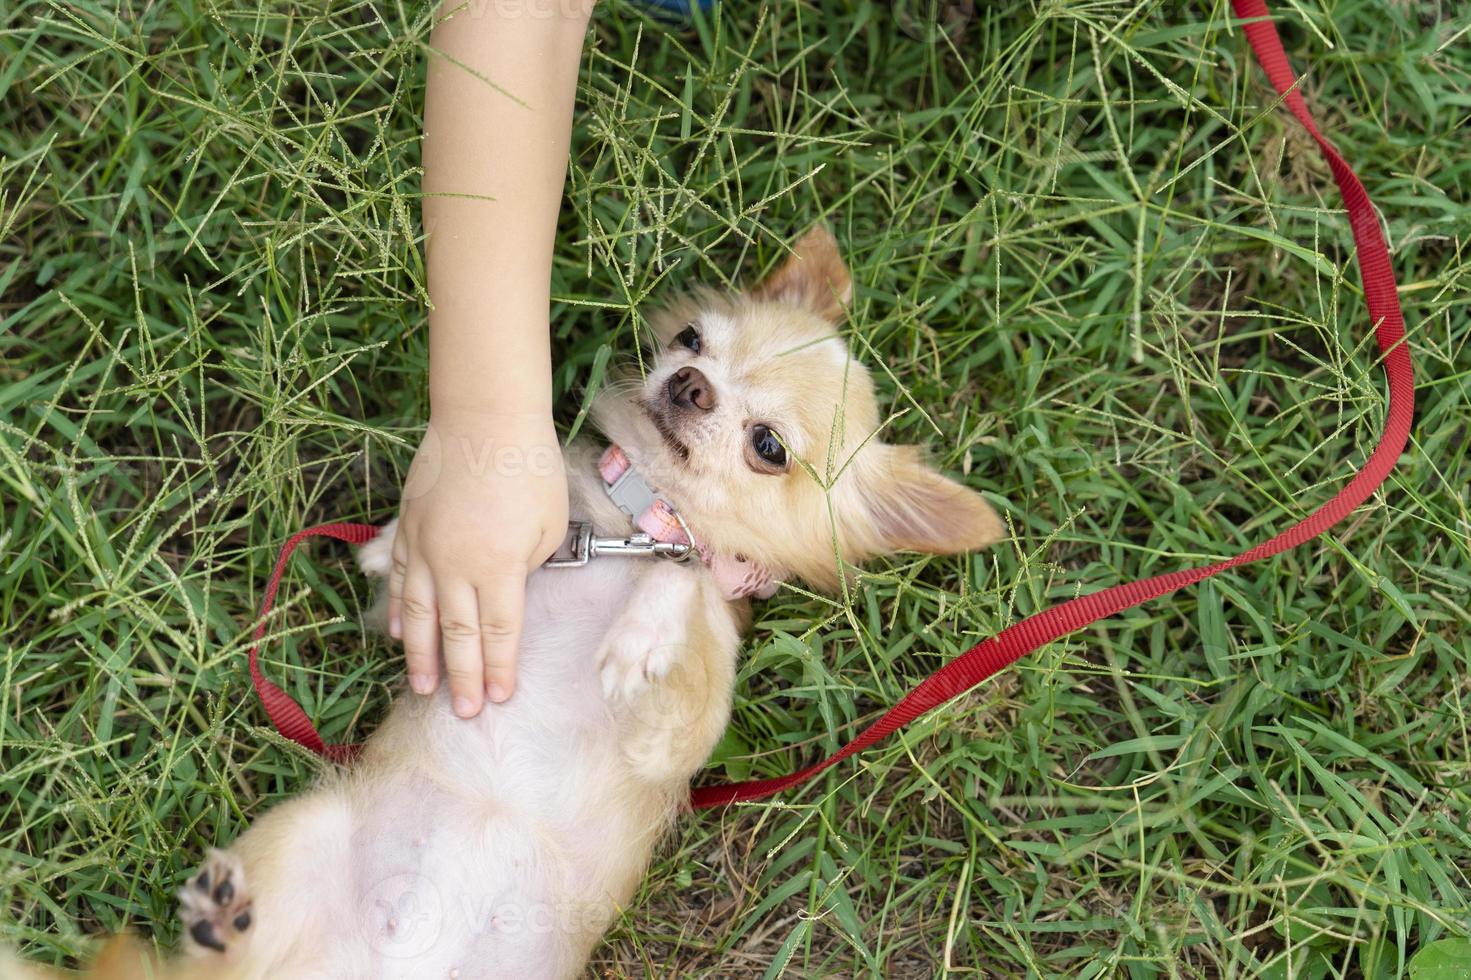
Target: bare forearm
[(497, 120)]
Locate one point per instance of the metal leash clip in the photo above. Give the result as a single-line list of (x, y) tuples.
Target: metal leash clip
[(581, 546)]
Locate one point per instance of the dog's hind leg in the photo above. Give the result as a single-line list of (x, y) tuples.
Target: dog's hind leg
[(215, 906), (271, 906)]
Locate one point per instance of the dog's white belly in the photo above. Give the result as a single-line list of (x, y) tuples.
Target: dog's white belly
[(498, 854)]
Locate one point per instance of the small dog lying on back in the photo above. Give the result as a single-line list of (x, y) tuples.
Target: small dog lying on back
[(504, 846)]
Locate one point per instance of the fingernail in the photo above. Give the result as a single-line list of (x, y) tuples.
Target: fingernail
[(496, 693), (464, 707), (396, 629), (421, 683)]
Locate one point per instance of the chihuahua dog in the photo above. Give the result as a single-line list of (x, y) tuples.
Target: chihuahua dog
[(505, 846)]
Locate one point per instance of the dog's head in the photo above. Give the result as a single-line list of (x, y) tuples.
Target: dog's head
[(762, 429)]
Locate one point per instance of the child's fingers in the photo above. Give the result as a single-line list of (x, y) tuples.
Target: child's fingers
[(502, 607), (419, 616), (396, 586), (423, 668), (459, 628)]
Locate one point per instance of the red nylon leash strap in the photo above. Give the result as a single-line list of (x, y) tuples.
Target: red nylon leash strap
[(989, 656), (288, 717), (986, 658)]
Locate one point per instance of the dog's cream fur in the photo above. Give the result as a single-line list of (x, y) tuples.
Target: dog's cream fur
[(504, 846)]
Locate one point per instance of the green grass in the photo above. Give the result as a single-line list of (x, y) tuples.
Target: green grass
[(1096, 272)]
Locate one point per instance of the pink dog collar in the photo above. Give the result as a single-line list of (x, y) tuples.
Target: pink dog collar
[(737, 576)]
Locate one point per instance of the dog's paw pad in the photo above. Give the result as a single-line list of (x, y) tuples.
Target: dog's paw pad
[(631, 661), (215, 905)]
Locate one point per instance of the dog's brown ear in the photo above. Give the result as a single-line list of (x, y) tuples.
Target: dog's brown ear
[(814, 276), (912, 507)]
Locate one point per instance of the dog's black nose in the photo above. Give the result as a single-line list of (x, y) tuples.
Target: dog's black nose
[(688, 387)]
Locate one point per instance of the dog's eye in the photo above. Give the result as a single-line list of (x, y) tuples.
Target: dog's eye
[(689, 338), (764, 440)]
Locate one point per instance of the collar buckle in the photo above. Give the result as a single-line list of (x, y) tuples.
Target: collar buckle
[(630, 493)]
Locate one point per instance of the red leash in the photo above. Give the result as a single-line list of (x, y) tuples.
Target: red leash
[(288, 717), (1000, 651)]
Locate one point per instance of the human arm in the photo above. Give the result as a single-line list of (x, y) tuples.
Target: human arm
[(486, 499)]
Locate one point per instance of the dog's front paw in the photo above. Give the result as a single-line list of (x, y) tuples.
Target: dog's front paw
[(376, 557), (215, 905), (635, 657)]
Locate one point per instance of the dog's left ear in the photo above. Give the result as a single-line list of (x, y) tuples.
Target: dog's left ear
[(911, 507), (814, 276)]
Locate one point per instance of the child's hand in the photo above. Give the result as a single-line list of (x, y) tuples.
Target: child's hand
[(484, 505)]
